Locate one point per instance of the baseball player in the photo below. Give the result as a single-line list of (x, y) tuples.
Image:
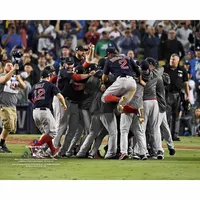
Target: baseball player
[(130, 121), (163, 80), (151, 110), (41, 95), (73, 92), (63, 82), (10, 83), (103, 120), (124, 69)]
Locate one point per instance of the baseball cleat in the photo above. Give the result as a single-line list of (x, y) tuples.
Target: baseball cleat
[(98, 155), (1, 150), (112, 157), (171, 151), (55, 151), (122, 102), (123, 156), (143, 157), (136, 157), (160, 155), (5, 149)]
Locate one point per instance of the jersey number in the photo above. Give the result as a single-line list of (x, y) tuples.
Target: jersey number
[(39, 94), (123, 64)]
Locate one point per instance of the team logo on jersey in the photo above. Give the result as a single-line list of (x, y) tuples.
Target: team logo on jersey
[(180, 73)]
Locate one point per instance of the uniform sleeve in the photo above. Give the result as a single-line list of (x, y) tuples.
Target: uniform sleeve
[(55, 90), (135, 67), (106, 68), (185, 75)]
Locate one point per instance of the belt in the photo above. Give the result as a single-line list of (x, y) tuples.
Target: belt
[(42, 108), (125, 76), (71, 101)]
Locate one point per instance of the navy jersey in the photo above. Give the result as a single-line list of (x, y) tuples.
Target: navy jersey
[(66, 85), (42, 94), (121, 66)]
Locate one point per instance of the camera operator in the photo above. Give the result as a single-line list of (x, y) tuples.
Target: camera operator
[(10, 82)]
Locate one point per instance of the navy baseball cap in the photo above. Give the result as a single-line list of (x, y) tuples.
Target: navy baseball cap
[(45, 74), (152, 61), (80, 48), (110, 50), (144, 65), (69, 60)]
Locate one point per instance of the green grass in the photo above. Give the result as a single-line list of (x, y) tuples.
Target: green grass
[(185, 165)]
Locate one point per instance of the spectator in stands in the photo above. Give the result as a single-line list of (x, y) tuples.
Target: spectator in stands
[(172, 45), (68, 32), (168, 25), (92, 36), (134, 30), (183, 34), (106, 27), (162, 35), (128, 42), (46, 36), (51, 62), (11, 39), (190, 55), (103, 44), (42, 63), (22, 96), (142, 30), (115, 33), (195, 73), (150, 43)]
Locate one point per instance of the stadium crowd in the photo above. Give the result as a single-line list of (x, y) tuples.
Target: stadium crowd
[(45, 45)]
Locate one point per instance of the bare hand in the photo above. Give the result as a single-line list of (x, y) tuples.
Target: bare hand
[(16, 67), (65, 107), (92, 72), (18, 77), (102, 88)]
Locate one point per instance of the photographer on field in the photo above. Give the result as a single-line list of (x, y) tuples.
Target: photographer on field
[(10, 83)]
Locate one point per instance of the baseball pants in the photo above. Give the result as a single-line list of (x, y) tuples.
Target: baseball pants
[(44, 121), (82, 130), (98, 124), (164, 126), (123, 86), (151, 115), (131, 122)]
